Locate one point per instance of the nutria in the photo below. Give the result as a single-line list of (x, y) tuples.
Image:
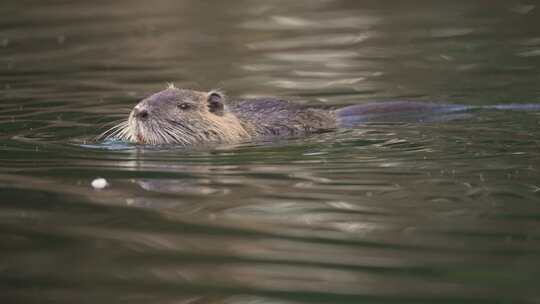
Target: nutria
[(189, 117)]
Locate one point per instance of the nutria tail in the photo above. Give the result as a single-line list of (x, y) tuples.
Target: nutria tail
[(513, 107), (392, 111), (404, 111)]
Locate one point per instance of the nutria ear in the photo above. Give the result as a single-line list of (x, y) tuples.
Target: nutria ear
[(215, 102)]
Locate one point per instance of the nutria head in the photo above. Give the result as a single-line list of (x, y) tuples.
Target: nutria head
[(180, 116)]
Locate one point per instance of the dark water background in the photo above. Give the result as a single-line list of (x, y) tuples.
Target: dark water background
[(445, 212)]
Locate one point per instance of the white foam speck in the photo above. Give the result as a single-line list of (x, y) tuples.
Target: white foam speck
[(99, 183)]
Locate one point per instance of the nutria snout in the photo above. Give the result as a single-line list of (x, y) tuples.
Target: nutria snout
[(140, 112)]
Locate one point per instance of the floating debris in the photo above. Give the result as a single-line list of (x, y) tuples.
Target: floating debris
[(99, 183)]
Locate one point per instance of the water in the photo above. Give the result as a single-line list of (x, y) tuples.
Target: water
[(442, 212)]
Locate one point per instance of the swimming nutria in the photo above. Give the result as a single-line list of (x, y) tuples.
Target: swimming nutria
[(188, 117)]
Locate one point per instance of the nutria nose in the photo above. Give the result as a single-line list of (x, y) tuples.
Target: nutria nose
[(140, 113)]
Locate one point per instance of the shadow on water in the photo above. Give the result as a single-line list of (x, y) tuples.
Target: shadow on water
[(443, 212)]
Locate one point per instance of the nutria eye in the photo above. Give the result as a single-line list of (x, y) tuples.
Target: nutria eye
[(184, 106)]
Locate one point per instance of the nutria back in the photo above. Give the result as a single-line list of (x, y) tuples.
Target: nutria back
[(277, 117)]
